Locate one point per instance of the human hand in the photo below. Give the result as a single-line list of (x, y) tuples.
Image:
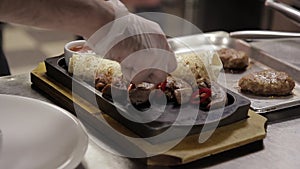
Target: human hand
[(142, 3), (139, 45)]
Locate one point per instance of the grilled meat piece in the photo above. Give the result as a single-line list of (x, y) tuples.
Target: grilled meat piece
[(140, 94), (219, 96), (176, 90), (181, 90), (267, 83), (233, 59), (183, 95)]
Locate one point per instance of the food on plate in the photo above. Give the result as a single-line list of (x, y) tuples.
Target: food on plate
[(81, 49), (214, 97), (190, 83), (140, 94), (90, 68), (267, 83), (193, 70), (175, 90), (218, 97), (233, 59)]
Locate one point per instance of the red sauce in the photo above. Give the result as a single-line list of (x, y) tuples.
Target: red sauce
[(81, 49), (76, 48)]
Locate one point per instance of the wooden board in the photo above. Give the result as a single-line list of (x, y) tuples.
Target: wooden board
[(188, 150)]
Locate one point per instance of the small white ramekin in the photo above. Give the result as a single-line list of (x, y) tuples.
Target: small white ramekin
[(69, 53)]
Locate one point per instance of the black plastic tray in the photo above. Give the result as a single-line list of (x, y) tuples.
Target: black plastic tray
[(236, 110)]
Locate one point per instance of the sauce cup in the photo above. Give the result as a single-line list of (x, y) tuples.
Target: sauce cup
[(75, 47)]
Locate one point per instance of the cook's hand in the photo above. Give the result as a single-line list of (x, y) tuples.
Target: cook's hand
[(142, 3), (139, 45)]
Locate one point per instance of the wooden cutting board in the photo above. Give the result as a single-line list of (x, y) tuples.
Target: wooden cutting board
[(188, 150)]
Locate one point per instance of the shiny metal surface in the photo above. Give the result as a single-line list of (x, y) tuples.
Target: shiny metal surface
[(260, 60), (286, 10), (290, 46), (263, 34)]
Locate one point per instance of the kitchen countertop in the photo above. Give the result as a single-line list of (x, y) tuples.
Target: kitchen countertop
[(280, 149)]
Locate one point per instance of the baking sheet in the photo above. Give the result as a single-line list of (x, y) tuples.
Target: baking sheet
[(259, 60)]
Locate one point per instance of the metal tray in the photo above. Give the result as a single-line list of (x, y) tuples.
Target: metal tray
[(236, 110), (259, 60)]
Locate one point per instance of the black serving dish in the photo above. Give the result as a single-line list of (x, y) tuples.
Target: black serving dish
[(236, 109)]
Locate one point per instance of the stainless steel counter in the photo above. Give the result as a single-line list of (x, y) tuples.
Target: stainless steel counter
[(280, 149)]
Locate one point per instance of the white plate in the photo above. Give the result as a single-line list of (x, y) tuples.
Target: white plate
[(37, 135)]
